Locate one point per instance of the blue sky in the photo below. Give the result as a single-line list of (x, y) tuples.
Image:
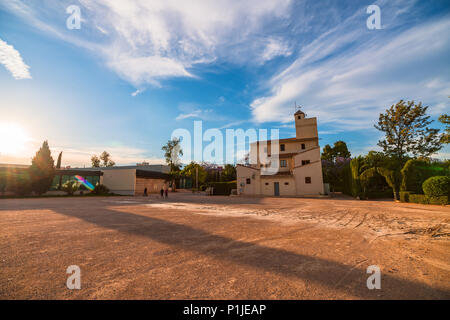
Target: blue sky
[(137, 70)]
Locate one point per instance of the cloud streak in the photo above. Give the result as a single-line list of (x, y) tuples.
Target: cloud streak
[(13, 62), (349, 74), (145, 42)]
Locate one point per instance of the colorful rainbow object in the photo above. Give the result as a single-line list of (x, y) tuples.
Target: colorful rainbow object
[(84, 182)]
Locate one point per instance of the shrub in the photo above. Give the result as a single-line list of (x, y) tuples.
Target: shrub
[(393, 178), (19, 183), (100, 189), (442, 200), (347, 180), (2, 182), (437, 186), (418, 198), (223, 188), (424, 199), (70, 187), (416, 171), (355, 166), (404, 196)]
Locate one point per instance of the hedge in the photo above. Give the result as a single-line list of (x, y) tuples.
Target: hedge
[(404, 196), (437, 186), (100, 189), (415, 172), (355, 166), (423, 199), (223, 188), (19, 183)]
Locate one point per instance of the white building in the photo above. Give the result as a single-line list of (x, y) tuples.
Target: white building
[(298, 167)]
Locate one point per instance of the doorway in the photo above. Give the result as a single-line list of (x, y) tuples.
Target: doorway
[(276, 188)]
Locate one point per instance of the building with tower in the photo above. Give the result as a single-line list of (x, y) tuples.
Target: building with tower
[(294, 163)]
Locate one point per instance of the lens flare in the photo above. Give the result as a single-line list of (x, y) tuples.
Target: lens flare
[(84, 182)]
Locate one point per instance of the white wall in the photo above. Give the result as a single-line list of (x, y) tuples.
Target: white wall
[(244, 173), (314, 171), (120, 181), (268, 189)]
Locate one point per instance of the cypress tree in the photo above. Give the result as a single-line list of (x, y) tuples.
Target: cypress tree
[(42, 170)]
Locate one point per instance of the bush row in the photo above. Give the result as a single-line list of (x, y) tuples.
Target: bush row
[(406, 196), (223, 188)]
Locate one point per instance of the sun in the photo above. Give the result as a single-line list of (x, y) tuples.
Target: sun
[(13, 139)]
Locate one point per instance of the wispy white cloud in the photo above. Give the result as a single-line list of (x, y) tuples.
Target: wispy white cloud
[(349, 87), (275, 48), (199, 114), (138, 91), (13, 62), (148, 41)]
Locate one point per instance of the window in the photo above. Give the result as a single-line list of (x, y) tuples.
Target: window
[(282, 148), (305, 162), (307, 179), (267, 183), (299, 117), (303, 146), (248, 181), (286, 183), (283, 163)]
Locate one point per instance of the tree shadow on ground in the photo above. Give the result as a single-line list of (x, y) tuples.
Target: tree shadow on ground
[(313, 270)]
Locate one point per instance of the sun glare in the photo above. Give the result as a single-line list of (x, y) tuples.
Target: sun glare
[(13, 139)]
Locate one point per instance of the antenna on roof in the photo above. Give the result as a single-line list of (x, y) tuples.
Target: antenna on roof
[(298, 108)]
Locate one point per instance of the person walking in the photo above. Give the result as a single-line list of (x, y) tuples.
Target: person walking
[(166, 191), (145, 192), (162, 192)]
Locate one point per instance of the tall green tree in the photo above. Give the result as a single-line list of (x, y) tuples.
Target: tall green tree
[(327, 153), (339, 150), (105, 157), (58, 162), (172, 154), (58, 166), (95, 161), (190, 171), (445, 137), (405, 126), (42, 170), (103, 160), (229, 172)]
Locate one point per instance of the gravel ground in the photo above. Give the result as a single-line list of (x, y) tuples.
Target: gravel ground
[(199, 247)]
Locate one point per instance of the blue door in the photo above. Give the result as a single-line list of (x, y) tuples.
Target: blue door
[(276, 187)]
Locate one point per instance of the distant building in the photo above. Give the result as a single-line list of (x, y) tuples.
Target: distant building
[(123, 180), (299, 168), (129, 180)]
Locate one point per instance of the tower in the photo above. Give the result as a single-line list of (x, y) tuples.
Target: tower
[(305, 128)]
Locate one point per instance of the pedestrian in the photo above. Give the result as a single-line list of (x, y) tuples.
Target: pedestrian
[(166, 191), (162, 192), (145, 192)]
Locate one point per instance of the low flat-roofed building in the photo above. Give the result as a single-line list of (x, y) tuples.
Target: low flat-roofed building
[(123, 180), (131, 180)]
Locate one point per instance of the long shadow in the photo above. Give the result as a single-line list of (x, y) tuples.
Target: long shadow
[(279, 261), (331, 274)]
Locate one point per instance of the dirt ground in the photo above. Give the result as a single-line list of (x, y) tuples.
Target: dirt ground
[(200, 247)]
